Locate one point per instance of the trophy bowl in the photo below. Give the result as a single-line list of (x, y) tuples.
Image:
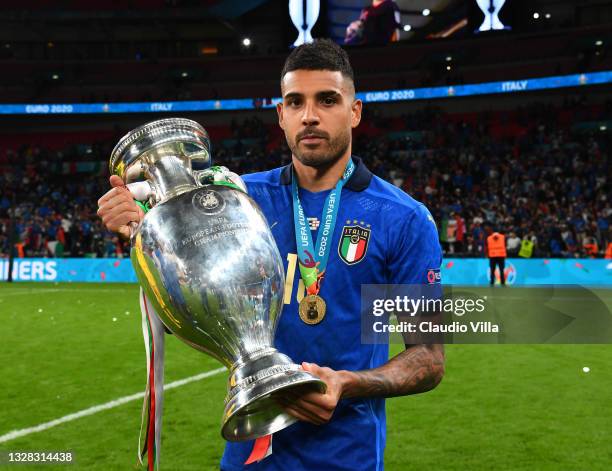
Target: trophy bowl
[(207, 261)]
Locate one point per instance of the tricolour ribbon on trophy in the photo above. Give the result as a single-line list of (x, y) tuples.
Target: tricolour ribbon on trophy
[(149, 441)]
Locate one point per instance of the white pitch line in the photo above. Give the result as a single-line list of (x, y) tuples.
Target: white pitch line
[(56, 290), (99, 408), (33, 293)]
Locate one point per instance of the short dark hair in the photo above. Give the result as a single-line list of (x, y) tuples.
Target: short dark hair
[(322, 54)]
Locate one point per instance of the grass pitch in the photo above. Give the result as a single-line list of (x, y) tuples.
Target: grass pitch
[(67, 347)]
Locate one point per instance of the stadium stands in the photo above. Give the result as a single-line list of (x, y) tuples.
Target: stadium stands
[(89, 72), (539, 173)]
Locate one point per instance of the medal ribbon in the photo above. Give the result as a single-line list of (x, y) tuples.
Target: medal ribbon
[(313, 260)]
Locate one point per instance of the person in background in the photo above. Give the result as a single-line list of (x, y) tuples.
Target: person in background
[(460, 233), (513, 244), (451, 232), (528, 245), (478, 235), (589, 246), (377, 25), (496, 251)]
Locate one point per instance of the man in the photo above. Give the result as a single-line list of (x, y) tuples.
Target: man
[(513, 244), (496, 251), (377, 25), (528, 245), (382, 236)]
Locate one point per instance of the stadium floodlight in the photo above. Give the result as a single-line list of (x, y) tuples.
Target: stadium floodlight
[(536, 15), (448, 67), (55, 77), (599, 42), (426, 12), (449, 58), (603, 127), (304, 15), (184, 74), (407, 28), (547, 16), (491, 9), (246, 42)]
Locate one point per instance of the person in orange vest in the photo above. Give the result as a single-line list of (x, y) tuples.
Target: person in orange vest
[(20, 249), (609, 250), (496, 251), (590, 246)]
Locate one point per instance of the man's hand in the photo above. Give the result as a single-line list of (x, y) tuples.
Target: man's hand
[(117, 208), (314, 407), (418, 369)]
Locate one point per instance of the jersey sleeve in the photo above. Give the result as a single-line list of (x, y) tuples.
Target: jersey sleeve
[(414, 255)]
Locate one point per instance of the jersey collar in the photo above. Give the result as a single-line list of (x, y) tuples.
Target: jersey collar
[(359, 180)]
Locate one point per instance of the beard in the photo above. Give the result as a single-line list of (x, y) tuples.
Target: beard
[(327, 153)]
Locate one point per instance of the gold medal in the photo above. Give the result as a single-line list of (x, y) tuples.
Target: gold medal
[(312, 309)]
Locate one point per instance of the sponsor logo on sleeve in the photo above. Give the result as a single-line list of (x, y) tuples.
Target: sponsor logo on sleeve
[(434, 276)]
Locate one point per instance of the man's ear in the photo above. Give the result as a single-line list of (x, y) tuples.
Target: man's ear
[(356, 108), (279, 111)]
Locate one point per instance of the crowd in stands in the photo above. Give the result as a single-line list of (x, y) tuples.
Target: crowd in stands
[(539, 174), (549, 185), (54, 206)]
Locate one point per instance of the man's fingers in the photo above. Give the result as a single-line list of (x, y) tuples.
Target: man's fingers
[(110, 211), (311, 409), (113, 193), (312, 368), (315, 403), (121, 213), (117, 208), (122, 219), (118, 201), (105, 197), (315, 412), (303, 415), (115, 180), (125, 232), (297, 414)]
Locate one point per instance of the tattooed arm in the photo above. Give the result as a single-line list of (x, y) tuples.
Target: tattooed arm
[(417, 369)]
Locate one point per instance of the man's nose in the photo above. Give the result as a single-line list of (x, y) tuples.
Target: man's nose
[(310, 116)]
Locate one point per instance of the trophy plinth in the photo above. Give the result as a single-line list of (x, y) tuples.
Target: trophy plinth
[(250, 408), (206, 259)]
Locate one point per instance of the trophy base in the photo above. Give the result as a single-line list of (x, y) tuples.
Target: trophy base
[(250, 408)]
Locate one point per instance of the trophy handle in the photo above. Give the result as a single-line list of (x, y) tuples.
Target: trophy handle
[(141, 191), (219, 176), (198, 175)]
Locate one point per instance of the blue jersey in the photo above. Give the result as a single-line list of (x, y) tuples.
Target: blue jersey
[(382, 236)]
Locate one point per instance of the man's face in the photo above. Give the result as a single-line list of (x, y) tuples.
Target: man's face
[(318, 111)]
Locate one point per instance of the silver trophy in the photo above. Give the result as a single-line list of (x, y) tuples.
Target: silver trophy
[(207, 261)]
